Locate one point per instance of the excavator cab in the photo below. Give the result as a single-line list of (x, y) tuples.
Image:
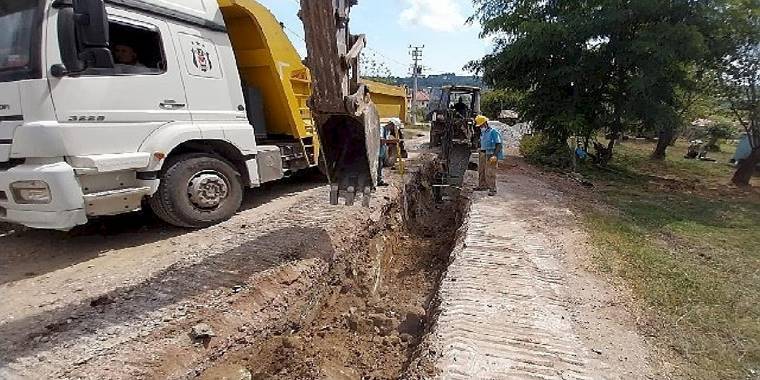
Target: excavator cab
[(453, 105), (347, 120), (453, 131)]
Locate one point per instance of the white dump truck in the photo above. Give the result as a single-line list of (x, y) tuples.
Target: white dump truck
[(108, 105)]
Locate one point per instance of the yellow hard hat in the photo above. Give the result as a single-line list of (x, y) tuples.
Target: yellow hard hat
[(480, 120)]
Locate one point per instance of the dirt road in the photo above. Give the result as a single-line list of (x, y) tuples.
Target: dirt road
[(292, 288), (518, 300), (69, 297), (116, 296)]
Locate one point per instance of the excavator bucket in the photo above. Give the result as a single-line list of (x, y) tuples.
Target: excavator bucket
[(347, 121), (350, 149)]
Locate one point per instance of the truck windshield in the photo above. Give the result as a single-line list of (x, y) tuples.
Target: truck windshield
[(18, 23)]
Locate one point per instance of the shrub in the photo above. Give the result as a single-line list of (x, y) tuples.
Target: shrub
[(716, 132), (493, 102), (538, 149)]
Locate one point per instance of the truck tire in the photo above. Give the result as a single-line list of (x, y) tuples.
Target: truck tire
[(197, 190)]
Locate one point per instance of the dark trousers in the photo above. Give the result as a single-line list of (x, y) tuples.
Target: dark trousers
[(380, 165)]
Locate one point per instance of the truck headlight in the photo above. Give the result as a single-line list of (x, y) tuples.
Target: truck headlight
[(31, 192)]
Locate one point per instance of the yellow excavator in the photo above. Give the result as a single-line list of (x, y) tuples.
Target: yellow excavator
[(324, 103)]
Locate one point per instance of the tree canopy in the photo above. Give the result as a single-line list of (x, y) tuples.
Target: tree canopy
[(493, 102), (600, 65)]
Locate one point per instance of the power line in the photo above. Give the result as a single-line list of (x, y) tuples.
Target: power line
[(293, 32), (391, 60), (386, 57), (376, 51)]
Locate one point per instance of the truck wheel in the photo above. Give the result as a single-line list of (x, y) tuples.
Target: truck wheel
[(197, 190)]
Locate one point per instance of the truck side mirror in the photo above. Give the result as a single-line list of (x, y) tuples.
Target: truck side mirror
[(92, 32), (83, 36), (67, 41)]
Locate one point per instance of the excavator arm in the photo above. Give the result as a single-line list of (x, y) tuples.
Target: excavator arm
[(347, 121)]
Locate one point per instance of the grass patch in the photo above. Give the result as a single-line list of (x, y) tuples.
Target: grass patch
[(689, 247)]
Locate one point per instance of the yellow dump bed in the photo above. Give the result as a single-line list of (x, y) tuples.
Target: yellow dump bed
[(268, 61), (390, 100)]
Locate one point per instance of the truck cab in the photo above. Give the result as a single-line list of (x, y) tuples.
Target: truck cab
[(108, 106)]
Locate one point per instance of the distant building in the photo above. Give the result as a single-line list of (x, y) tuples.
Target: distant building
[(423, 99)]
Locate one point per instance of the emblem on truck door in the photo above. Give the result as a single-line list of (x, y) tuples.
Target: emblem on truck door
[(4, 107), (201, 57)]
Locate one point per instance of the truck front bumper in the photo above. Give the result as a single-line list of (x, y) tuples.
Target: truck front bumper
[(66, 208)]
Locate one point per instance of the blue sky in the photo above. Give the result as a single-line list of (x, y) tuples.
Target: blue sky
[(392, 25)]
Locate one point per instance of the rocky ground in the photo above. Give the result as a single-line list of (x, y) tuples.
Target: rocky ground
[(121, 295), (377, 302)]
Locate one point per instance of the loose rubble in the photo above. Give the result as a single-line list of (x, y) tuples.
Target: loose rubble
[(512, 134), (202, 331)]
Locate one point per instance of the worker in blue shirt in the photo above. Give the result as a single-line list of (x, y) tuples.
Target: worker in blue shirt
[(490, 153)]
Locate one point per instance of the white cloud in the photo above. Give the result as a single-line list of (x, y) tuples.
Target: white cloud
[(438, 15)]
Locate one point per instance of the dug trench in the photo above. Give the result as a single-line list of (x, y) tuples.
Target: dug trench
[(375, 306)]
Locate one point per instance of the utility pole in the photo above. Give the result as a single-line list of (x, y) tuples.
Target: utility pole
[(416, 52)]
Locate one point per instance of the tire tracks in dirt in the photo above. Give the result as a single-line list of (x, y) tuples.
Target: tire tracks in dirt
[(517, 302)]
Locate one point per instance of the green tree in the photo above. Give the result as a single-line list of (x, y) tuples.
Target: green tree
[(741, 82), (738, 76), (493, 102), (598, 65), (540, 53), (716, 132)]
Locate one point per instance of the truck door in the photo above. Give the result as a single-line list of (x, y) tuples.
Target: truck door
[(210, 74), (115, 111)]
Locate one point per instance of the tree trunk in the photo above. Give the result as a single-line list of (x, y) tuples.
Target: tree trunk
[(674, 139), (666, 138), (611, 144), (747, 168), (712, 145)]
